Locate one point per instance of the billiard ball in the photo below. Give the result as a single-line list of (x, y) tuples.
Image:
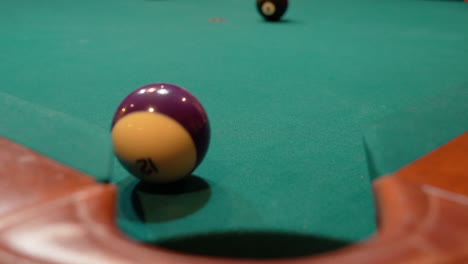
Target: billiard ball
[(272, 10), (160, 133)]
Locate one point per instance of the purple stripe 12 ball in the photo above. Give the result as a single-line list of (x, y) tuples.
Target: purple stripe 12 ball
[(160, 133)]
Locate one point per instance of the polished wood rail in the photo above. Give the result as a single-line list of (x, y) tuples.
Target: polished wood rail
[(50, 213)]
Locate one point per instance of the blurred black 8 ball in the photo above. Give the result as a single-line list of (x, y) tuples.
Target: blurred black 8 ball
[(272, 10)]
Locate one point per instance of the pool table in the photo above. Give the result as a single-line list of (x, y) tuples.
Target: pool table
[(338, 134)]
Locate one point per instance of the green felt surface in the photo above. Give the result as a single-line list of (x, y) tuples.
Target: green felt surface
[(62, 137), (289, 102), (406, 135)]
